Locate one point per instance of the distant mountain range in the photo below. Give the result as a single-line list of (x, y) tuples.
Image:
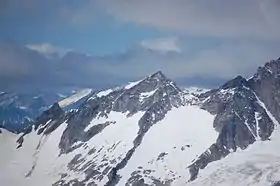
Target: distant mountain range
[(19, 110), (153, 133)]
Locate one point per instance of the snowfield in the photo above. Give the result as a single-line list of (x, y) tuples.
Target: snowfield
[(183, 134), (38, 159), (112, 144), (258, 165), (36, 163), (164, 154)]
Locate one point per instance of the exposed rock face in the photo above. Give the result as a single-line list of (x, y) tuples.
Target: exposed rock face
[(276, 184), (266, 84), (240, 120)]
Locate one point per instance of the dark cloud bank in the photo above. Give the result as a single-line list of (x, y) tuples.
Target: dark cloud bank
[(22, 69)]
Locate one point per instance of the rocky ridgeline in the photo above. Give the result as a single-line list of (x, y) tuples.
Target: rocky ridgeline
[(246, 110)]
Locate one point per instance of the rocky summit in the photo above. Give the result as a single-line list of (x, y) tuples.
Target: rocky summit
[(154, 133)]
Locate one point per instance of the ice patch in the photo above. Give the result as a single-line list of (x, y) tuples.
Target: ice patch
[(274, 120), (257, 118), (227, 91), (104, 93), (132, 84), (145, 95), (22, 107), (195, 90), (74, 98), (247, 125)]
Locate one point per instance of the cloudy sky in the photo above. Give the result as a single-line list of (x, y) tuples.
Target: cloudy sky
[(108, 42)]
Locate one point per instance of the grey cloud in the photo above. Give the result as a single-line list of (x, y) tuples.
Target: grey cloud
[(253, 25), (17, 60), (63, 11), (21, 66), (221, 18), (224, 61), (49, 50), (28, 7), (162, 44)]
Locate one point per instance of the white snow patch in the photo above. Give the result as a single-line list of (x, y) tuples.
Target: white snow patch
[(190, 94), (227, 91), (184, 134), (39, 152), (113, 142), (61, 95), (206, 99), (274, 120), (104, 93), (268, 70), (74, 98), (195, 90), (145, 95), (132, 84), (22, 107), (250, 129), (247, 125), (257, 118), (258, 165)]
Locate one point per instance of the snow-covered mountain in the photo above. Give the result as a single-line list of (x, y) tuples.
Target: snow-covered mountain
[(151, 132), (18, 110)]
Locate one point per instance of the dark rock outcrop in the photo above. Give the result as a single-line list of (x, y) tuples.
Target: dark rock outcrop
[(266, 84), (240, 120)]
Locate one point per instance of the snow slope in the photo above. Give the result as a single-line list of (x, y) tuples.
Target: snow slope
[(38, 159), (258, 165), (36, 163), (162, 155), (171, 145), (111, 145)]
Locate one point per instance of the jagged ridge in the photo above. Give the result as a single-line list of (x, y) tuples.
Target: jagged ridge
[(244, 113)]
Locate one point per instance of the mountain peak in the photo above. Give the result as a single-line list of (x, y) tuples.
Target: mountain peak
[(236, 82), (102, 142), (269, 70), (158, 75)]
